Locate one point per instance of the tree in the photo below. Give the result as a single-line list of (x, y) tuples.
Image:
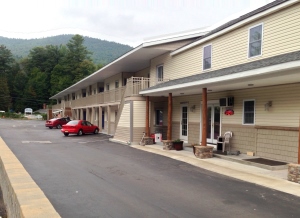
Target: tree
[(5, 99), (6, 60)]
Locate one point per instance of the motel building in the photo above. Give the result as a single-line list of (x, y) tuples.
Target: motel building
[(242, 77)]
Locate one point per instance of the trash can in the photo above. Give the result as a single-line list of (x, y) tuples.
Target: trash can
[(158, 137), (220, 143)]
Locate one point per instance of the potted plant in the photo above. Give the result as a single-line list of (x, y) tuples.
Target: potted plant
[(178, 144)]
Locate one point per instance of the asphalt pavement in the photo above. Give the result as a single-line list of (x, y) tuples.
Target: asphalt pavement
[(90, 176)]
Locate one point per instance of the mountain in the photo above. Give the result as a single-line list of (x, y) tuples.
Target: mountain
[(103, 51)]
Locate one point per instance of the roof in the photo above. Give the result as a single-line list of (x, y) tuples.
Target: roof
[(135, 60)]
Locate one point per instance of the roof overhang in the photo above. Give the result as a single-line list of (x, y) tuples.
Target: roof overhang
[(135, 60), (267, 76)]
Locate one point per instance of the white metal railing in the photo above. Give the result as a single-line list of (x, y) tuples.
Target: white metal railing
[(133, 87)]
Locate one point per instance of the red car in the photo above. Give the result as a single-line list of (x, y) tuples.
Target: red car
[(56, 122), (79, 127)]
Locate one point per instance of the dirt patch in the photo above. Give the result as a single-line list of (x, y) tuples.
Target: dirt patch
[(3, 213)]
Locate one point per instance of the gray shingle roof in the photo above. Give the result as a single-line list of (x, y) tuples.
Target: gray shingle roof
[(279, 59)]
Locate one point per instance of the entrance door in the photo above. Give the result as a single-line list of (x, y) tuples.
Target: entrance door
[(184, 123), (213, 123)]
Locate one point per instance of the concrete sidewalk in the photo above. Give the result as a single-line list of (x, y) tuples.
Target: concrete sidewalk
[(274, 179)]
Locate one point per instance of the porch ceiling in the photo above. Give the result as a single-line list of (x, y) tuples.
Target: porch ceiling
[(227, 83)]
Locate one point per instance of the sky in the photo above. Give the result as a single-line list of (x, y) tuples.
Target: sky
[(123, 21)]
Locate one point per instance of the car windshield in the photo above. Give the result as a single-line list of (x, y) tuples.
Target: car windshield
[(73, 123)]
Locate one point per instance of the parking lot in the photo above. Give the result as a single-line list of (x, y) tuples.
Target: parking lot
[(89, 176)]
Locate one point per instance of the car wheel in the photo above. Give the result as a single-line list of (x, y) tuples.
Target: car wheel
[(66, 134), (80, 132), (58, 126), (50, 127), (96, 131)]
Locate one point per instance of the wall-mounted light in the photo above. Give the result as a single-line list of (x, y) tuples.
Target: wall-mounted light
[(268, 105), (192, 108)]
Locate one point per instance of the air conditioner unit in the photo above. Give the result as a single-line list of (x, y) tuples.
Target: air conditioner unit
[(226, 102)]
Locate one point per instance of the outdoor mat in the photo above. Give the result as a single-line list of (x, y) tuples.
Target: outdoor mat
[(266, 161)]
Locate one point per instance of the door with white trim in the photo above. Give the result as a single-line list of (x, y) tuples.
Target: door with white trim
[(213, 123), (184, 123)]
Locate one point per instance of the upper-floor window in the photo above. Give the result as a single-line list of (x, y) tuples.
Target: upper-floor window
[(107, 87), (100, 89), (160, 73), (255, 41), (73, 96), (117, 84), (83, 91), (249, 112), (207, 57)]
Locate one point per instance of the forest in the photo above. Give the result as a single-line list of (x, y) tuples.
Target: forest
[(30, 81)]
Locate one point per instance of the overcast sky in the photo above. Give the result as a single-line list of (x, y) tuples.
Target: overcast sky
[(122, 21)]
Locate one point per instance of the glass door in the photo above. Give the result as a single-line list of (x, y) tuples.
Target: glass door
[(184, 123), (213, 123)]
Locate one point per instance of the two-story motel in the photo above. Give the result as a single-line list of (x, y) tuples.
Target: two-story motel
[(183, 86)]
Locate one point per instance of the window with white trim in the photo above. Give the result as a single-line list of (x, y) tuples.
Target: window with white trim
[(207, 57), (160, 73), (249, 112), (117, 84), (255, 41), (107, 86)]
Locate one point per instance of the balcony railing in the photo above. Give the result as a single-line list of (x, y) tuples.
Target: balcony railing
[(133, 87)]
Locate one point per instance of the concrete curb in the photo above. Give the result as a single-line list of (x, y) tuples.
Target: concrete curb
[(22, 196), (232, 169)]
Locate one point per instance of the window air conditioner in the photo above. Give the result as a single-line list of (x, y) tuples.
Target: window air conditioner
[(226, 102)]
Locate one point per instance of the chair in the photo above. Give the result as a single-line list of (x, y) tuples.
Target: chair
[(227, 136)]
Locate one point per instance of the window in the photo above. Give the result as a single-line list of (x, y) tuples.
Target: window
[(73, 96), (255, 41), (83, 91), (160, 73), (158, 117), (207, 57), (107, 87), (124, 81), (100, 89), (249, 112), (117, 84)]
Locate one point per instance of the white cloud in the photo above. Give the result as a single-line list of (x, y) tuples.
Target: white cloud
[(123, 21)]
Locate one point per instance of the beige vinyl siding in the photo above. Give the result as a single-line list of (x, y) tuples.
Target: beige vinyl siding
[(123, 129), (143, 73), (281, 33), (111, 81), (139, 117), (284, 111), (160, 60), (125, 116)]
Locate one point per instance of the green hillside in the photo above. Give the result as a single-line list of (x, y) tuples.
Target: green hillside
[(103, 51)]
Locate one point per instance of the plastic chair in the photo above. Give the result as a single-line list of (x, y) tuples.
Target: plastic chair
[(227, 136)]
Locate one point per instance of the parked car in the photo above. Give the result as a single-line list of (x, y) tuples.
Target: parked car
[(79, 127), (56, 122)]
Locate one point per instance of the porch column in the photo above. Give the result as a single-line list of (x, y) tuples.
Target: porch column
[(108, 119), (93, 116), (147, 117), (100, 119), (299, 144), (204, 116), (81, 113), (169, 131)]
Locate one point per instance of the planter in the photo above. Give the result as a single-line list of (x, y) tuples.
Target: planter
[(178, 146), (168, 145), (203, 152)]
